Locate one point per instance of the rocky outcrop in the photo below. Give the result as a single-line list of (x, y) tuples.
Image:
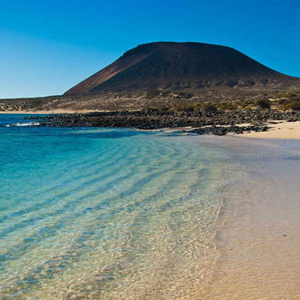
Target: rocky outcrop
[(218, 122)]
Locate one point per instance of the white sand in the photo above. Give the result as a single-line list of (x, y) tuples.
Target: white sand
[(285, 130)]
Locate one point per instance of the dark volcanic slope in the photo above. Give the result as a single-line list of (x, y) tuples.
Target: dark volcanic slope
[(170, 65)]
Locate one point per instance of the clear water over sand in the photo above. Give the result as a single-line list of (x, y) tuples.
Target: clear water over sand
[(258, 232), (107, 213)]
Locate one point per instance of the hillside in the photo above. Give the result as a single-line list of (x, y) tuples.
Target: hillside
[(176, 66)]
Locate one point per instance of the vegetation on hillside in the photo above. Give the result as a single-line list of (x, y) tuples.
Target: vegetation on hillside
[(168, 101)]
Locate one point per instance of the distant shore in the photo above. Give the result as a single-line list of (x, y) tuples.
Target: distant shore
[(288, 127), (45, 112), (263, 123)]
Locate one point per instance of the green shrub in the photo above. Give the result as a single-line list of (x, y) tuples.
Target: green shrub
[(185, 107), (296, 105), (182, 107), (208, 107), (150, 108), (188, 107), (291, 105), (263, 104), (152, 94), (227, 106), (185, 95)]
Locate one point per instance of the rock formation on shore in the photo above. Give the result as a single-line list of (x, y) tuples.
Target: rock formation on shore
[(175, 66)]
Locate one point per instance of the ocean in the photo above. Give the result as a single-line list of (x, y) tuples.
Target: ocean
[(98, 213)]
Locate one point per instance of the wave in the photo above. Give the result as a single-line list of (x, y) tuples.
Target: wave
[(27, 124)]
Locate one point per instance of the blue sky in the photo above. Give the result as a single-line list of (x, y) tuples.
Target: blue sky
[(46, 47)]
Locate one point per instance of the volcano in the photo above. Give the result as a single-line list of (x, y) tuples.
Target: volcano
[(175, 66)]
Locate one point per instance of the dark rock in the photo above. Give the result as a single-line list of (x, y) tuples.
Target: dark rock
[(211, 122)]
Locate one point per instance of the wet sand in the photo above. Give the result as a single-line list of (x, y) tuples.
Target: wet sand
[(258, 232)]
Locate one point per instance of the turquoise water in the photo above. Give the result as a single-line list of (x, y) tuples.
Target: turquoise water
[(106, 213)]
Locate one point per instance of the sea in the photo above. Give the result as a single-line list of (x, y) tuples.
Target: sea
[(107, 213)]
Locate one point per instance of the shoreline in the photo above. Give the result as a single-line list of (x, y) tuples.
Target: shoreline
[(201, 123), (46, 112), (257, 231), (281, 131), (269, 129)]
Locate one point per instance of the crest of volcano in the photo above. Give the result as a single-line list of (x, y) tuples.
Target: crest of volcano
[(170, 65)]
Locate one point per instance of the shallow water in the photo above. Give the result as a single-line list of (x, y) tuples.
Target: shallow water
[(106, 213), (258, 227)]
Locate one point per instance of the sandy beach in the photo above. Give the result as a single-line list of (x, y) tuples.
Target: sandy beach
[(284, 130), (258, 232)]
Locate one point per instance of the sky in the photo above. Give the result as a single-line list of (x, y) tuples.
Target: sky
[(46, 47)]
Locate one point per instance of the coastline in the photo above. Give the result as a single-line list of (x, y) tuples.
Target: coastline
[(45, 112), (278, 131), (282, 131), (201, 123), (257, 232), (255, 124)]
